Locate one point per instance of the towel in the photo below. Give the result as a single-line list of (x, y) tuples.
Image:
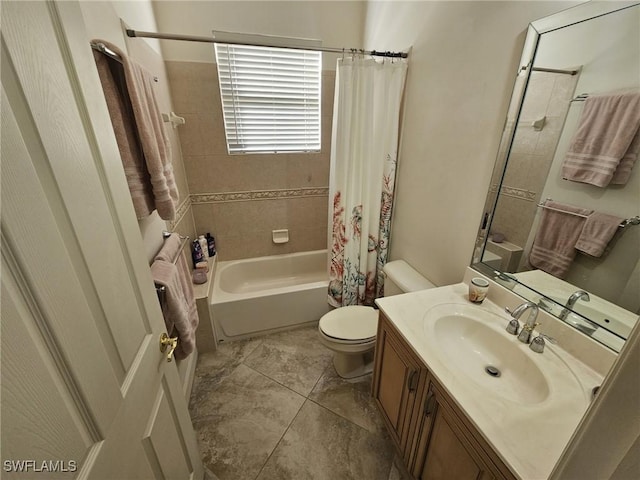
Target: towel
[(598, 230), (111, 75), (553, 248), (606, 143), (151, 134), (179, 309)]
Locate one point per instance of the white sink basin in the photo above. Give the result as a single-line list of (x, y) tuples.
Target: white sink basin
[(472, 341)]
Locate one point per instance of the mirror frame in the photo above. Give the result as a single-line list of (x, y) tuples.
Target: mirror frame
[(574, 15)]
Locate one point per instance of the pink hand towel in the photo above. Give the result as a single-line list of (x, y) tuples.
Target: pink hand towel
[(598, 230), (553, 249), (605, 145), (180, 311)]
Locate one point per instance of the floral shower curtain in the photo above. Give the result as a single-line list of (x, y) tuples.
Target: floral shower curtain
[(364, 148)]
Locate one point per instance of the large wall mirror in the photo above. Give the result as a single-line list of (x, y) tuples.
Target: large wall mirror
[(592, 50)]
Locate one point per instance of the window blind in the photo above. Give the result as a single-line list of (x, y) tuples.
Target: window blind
[(270, 98)]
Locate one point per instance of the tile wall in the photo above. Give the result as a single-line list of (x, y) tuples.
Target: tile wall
[(240, 199), (532, 152)]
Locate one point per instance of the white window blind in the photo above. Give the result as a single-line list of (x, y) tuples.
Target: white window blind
[(270, 98)]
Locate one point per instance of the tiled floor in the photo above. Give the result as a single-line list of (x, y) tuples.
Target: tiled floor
[(273, 408)]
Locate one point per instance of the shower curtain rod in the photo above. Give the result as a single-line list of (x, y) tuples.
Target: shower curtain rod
[(550, 70), (554, 70), (194, 38)]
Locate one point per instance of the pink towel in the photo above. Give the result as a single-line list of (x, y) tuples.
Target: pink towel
[(112, 79), (598, 230), (151, 134), (179, 309), (553, 249), (606, 143)]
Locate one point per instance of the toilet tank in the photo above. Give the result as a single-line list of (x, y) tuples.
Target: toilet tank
[(400, 277)]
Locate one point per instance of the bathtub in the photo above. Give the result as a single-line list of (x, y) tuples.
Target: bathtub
[(262, 295)]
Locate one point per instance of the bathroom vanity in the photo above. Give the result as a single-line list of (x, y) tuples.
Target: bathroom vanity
[(451, 419), (433, 435)]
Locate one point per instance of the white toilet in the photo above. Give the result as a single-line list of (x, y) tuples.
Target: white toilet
[(351, 331)]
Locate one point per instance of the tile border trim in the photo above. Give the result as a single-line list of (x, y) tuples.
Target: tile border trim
[(520, 193), (224, 197), (180, 213)]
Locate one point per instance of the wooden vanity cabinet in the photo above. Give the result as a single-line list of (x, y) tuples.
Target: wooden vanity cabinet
[(436, 440), (398, 384)]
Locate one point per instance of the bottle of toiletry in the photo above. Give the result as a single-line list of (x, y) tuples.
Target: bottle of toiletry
[(211, 243), (204, 247), (196, 253)]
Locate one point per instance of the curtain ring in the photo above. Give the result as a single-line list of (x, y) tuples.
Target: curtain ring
[(343, 54)]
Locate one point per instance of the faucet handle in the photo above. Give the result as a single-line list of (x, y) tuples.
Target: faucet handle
[(549, 339), (538, 343), (513, 326)]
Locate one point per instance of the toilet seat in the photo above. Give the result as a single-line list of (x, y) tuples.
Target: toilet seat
[(352, 325)]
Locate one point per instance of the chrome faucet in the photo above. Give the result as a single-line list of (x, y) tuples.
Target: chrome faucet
[(525, 334), (580, 294)]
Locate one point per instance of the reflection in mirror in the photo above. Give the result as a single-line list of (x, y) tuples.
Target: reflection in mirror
[(556, 232)]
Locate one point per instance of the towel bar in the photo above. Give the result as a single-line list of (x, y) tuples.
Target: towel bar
[(629, 221), (161, 290)]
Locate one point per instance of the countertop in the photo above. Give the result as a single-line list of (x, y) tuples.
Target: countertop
[(528, 437)]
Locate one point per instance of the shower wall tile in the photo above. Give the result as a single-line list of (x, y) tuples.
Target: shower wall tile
[(308, 212), (307, 170), (236, 173), (548, 95), (307, 239), (202, 134), (514, 218), (194, 86), (538, 95), (243, 228), (328, 89), (306, 219)]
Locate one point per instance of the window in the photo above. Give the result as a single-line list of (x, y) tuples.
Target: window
[(270, 98)]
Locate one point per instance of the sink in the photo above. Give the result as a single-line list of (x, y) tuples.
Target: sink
[(472, 341)]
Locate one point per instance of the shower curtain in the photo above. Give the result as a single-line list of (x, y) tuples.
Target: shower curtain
[(364, 149)]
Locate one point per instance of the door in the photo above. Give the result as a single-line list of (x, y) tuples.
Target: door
[(86, 392)]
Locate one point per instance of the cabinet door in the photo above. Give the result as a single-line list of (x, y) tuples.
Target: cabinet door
[(448, 457), (398, 379), (450, 454), (423, 420)]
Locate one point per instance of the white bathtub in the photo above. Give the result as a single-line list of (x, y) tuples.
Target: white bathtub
[(266, 294)]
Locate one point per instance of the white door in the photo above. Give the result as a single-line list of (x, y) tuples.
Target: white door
[(86, 392)]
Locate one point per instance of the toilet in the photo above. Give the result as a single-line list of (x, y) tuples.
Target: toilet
[(350, 332)]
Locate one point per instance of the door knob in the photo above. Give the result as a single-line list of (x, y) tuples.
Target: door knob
[(167, 341)]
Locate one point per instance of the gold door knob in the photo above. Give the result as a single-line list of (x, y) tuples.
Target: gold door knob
[(167, 341)]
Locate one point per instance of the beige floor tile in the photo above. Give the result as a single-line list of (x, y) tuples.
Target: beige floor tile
[(294, 358), (248, 414), (351, 399), (213, 368), (320, 445)]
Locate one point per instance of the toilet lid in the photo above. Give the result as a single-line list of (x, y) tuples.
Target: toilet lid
[(354, 322)]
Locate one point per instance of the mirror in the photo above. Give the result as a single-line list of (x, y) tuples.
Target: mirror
[(591, 49)]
